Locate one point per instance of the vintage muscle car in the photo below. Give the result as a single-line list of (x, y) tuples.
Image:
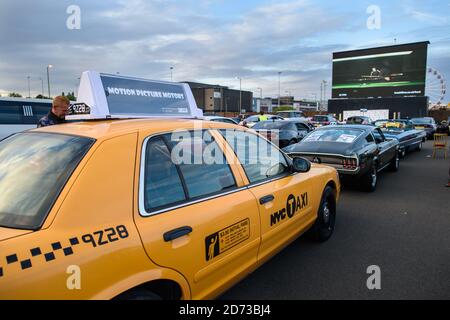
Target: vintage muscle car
[(358, 152), (403, 130)]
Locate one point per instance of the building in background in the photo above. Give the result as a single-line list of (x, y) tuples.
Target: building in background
[(220, 99), (264, 104), (306, 105), (296, 104)]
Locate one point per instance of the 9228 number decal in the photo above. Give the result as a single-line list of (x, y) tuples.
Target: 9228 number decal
[(102, 237)]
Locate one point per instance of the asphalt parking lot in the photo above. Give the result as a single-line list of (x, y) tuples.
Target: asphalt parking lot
[(404, 228)]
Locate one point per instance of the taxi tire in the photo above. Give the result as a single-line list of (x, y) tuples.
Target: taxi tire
[(139, 294), (323, 228)]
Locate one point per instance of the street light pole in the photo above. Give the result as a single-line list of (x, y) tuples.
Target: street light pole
[(171, 74), (29, 90), (48, 79), (321, 95), (279, 89), (240, 94), (324, 92), (42, 84)]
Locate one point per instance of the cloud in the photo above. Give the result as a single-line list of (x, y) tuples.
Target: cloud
[(145, 38)]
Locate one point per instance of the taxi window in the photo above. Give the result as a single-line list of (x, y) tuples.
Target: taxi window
[(177, 166), (197, 168), (34, 167), (259, 158), (162, 183)]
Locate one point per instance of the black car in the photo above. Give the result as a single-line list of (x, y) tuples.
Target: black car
[(427, 124), (323, 120), (358, 152), (359, 120), (286, 132)]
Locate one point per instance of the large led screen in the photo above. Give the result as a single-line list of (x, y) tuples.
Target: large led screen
[(394, 71)]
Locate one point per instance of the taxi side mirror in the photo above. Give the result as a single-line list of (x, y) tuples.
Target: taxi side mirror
[(301, 165)]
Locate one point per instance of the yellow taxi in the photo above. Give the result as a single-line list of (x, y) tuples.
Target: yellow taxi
[(150, 208)]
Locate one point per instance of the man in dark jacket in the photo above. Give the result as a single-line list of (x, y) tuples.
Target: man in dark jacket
[(57, 114)]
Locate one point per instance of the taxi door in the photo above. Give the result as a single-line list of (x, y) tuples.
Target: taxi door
[(285, 200), (198, 219)]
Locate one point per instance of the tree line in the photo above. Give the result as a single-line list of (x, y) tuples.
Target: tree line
[(70, 95)]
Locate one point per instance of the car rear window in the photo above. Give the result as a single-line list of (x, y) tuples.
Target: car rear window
[(34, 167), (320, 118), (343, 135), (355, 120), (252, 119)]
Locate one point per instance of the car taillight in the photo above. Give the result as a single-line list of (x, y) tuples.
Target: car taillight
[(326, 123), (350, 164)]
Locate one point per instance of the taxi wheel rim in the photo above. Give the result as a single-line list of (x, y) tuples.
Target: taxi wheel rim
[(326, 214)]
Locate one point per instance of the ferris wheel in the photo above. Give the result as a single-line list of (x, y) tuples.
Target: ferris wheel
[(435, 87)]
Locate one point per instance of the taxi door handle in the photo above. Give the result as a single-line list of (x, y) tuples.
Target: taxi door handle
[(177, 233), (266, 199)]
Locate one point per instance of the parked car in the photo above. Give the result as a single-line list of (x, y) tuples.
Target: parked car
[(291, 114), (358, 152), (359, 120), (252, 120), (323, 120), (427, 124), (403, 130), (220, 119), (282, 132)]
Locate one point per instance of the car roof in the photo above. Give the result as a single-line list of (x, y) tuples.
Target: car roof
[(367, 128), (102, 129)]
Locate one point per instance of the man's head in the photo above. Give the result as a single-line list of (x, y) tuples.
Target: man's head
[(262, 112), (60, 107)]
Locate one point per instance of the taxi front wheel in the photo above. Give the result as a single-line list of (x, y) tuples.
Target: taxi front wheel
[(323, 228)]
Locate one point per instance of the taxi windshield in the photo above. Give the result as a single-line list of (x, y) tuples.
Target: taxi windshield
[(34, 167)]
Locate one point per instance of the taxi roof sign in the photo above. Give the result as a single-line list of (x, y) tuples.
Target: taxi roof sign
[(104, 96)]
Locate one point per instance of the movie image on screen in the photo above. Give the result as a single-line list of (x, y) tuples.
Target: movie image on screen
[(395, 71)]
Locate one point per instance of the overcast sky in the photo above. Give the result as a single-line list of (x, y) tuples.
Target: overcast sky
[(213, 41)]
